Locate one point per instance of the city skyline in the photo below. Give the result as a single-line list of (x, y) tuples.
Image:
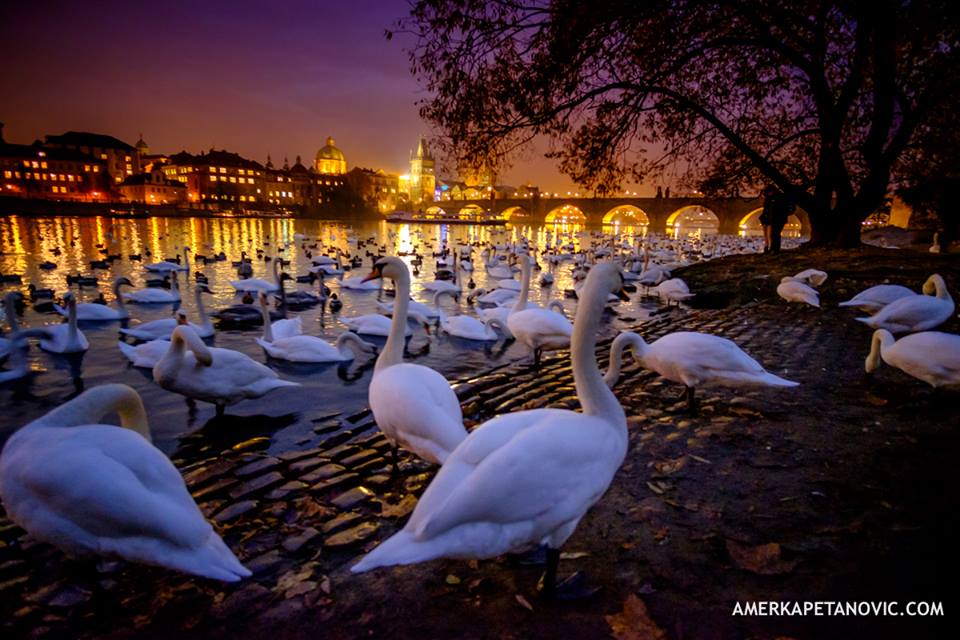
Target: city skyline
[(246, 77)]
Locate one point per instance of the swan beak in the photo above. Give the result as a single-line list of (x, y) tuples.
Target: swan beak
[(373, 275), (623, 295)]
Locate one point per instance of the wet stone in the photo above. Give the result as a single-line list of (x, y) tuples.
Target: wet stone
[(296, 542), (291, 456), (327, 427), (378, 480), (352, 498), (265, 562), (253, 444), (375, 464), (265, 464), (354, 535), (324, 472), (343, 451), (214, 488), (204, 474), (262, 482), (343, 481), (325, 416), (241, 602), (342, 521), (235, 510), (286, 489), (360, 457), (70, 596), (306, 464)]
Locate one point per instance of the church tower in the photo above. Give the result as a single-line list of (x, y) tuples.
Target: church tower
[(423, 179)]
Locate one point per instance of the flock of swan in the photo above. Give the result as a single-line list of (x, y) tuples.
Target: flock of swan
[(519, 480)]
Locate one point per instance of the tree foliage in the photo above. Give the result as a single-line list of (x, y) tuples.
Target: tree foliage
[(819, 98)]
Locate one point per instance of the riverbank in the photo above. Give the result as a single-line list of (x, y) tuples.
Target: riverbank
[(840, 489)]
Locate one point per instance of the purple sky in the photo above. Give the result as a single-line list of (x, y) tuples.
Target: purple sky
[(251, 76)]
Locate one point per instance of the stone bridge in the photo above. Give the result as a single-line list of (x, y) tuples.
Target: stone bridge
[(662, 215)]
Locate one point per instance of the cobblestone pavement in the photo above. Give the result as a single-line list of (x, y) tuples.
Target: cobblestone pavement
[(839, 489)]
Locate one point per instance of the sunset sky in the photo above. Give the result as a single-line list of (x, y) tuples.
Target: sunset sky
[(251, 76)]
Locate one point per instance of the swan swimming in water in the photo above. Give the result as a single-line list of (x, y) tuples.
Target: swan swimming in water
[(930, 356), (162, 328), (693, 359), (152, 295), (219, 376), (915, 313), (413, 405), (100, 312), (171, 266), (304, 348), (526, 478), (65, 338), (97, 489)]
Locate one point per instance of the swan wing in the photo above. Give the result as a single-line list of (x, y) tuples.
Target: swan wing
[(544, 473), (106, 482)]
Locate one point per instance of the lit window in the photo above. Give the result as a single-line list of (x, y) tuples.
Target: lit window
[(96, 169), (86, 167), (43, 164), (8, 174), (223, 169), (128, 158), (62, 178), (213, 178), (103, 156), (233, 179), (36, 165), (16, 174), (253, 199), (70, 177)]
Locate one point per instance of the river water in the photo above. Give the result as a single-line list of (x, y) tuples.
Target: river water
[(287, 414)]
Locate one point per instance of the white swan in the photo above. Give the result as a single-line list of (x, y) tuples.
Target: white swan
[(915, 313), (448, 286), (162, 328), (18, 365), (414, 307), (256, 285), (303, 348), (101, 312), (795, 291), (497, 296), (219, 376), (694, 360), (812, 277), (674, 290), (372, 324), (537, 329), (146, 354), (97, 489), (413, 405), (154, 295), (65, 338), (358, 283), (931, 356), (461, 326), (877, 297), (524, 478), (171, 266)]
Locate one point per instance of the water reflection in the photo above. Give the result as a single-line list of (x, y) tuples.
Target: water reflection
[(72, 243)]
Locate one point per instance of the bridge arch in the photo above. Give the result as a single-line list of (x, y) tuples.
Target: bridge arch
[(693, 217), (434, 212), (566, 214), (516, 213), (750, 225), (627, 214), (471, 212)]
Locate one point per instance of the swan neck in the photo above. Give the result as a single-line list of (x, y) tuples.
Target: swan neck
[(592, 390), (393, 349), (521, 302), (72, 320), (11, 310), (201, 310), (267, 323), (89, 407)]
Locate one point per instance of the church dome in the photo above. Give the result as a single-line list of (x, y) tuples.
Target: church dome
[(330, 160)]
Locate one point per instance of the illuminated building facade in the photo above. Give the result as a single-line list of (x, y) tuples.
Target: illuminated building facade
[(34, 171), (218, 178), (120, 159), (378, 189), (153, 187)]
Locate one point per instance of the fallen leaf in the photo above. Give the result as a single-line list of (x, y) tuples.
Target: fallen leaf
[(401, 509), (876, 401), (573, 555), (634, 622), (524, 602), (762, 559), (452, 579)]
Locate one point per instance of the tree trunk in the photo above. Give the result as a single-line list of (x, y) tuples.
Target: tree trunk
[(833, 228)]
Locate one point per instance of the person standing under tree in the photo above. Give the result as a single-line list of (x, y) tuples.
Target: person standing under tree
[(783, 207), (766, 216)]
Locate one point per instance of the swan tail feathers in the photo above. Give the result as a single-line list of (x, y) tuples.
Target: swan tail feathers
[(776, 381), (848, 303), (129, 351), (211, 559), (401, 548), (866, 321)]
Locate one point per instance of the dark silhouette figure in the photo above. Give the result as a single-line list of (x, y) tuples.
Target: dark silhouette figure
[(777, 207)]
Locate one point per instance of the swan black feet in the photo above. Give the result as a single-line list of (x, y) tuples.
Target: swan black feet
[(572, 588)]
